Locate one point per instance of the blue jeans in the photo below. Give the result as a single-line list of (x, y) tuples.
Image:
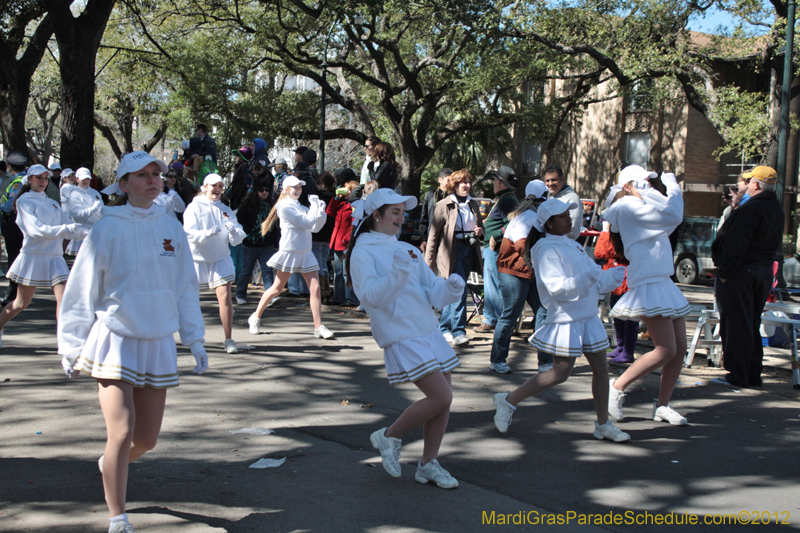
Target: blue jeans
[(454, 316), (514, 292), (321, 250), (251, 255), (236, 255), (492, 304), (341, 292)]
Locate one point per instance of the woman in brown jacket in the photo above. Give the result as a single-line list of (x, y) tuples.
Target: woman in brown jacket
[(454, 246)]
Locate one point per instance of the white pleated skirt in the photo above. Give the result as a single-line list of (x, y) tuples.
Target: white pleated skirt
[(36, 270), (662, 298), (73, 247), (415, 358), (140, 362), (300, 262), (213, 275), (571, 339)]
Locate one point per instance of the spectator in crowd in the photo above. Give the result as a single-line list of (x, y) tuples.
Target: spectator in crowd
[(429, 203), (52, 191), (241, 181), (454, 246), (341, 211), (504, 182), (181, 185), (744, 251), (298, 153), (12, 235), (320, 241), (383, 168), (208, 146), (369, 146), (258, 247), (554, 178), (281, 171)]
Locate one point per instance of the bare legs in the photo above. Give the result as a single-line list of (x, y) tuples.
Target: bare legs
[(281, 278), (562, 368), (315, 300), (669, 337), (23, 300), (431, 412), (225, 309), (133, 420)]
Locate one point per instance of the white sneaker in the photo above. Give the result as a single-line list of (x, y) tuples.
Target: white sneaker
[(502, 418), (448, 337), (666, 413), (272, 303), (609, 431), (100, 463), (121, 527), (615, 400), (433, 472), (230, 346), (241, 301), (322, 333), (545, 367), (461, 340), (253, 321), (390, 451)]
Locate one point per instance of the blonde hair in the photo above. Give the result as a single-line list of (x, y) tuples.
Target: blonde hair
[(351, 185), (370, 187), (273, 214)]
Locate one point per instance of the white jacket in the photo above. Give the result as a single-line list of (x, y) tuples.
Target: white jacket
[(84, 207), (172, 202), (568, 280), (65, 191), (398, 295), (644, 226), (298, 222), (210, 227), (44, 225), (135, 273)]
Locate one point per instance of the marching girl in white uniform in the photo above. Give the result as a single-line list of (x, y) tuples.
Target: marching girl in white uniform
[(297, 223), (210, 226), (68, 184), (641, 220), (398, 291), (171, 200), (569, 284), (85, 206), (132, 287), (40, 262)]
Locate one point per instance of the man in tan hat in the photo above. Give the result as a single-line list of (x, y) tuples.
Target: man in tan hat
[(744, 251)]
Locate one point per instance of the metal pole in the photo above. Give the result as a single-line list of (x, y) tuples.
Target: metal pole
[(786, 92), (321, 165)]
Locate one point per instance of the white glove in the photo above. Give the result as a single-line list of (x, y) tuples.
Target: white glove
[(73, 227), (401, 258), (456, 282), (618, 274), (97, 205), (668, 177), (229, 226), (313, 199), (69, 369), (200, 357)]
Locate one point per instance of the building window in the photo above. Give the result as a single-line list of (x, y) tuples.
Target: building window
[(531, 159), (639, 98), (637, 149)]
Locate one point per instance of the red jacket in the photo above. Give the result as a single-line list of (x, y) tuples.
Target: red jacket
[(343, 214), (605, 250)]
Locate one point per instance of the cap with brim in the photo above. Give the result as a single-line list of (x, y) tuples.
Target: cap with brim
[(292, 181), (136, 161), (36, 170), (364, 208), (550, 208), (212, 179), (177, 166), (763, 174), (634, 173), (55, 166), (536, 189), (83, 173), (507, 175), (16, 158), (281, 161), (67, 172)]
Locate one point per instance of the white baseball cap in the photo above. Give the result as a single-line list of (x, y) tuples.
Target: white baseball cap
[(634, 173), (135, 161), (292, 181), (364, 208), (281, 161), (55, 166), (551, 207), (84, 173), (536, 189), (35, 170), (212, 179), (67, 172)]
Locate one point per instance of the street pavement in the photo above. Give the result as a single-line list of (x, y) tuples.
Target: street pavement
[(739, 452)]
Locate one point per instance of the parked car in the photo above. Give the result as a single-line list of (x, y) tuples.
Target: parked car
[(692, 253)]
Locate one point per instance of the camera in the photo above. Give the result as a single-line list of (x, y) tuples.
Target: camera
[(474, 240)]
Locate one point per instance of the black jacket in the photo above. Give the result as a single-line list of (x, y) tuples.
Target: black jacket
[(324, 234), (208, 146), (428, 205), (750, 235), (385, 174)]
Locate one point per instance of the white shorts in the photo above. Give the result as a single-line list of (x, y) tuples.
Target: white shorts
[(415, 358), (213, 275), (36, 270), (571, 339), (661, 298)]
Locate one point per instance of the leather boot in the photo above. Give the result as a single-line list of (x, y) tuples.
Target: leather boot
[(619, 329)]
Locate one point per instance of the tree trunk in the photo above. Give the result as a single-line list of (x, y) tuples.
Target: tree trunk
[(13, 104)]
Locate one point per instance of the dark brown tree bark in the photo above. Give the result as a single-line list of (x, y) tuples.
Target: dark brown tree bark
[(16, 74), (78, 41)]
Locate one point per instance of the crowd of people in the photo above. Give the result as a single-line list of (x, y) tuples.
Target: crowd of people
[(335, 235)]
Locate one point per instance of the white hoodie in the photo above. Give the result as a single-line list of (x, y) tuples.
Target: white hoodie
[(298, 222), (44, 225), (85, 206), (210, 227), (644, 226), (568, 280), (135, 273), (397, 294), (66, 190), (172, 202)]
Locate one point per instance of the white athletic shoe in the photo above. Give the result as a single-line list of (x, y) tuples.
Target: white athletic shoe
[(433, 472), (100, 463), (448, 337), (615, 400), (230, 346), (275, 301), (121, 527), (390, 451), (253, 321), (241, 301), (666, 413), (502, 418), (322, 333), (609, 431), (461, 340)]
